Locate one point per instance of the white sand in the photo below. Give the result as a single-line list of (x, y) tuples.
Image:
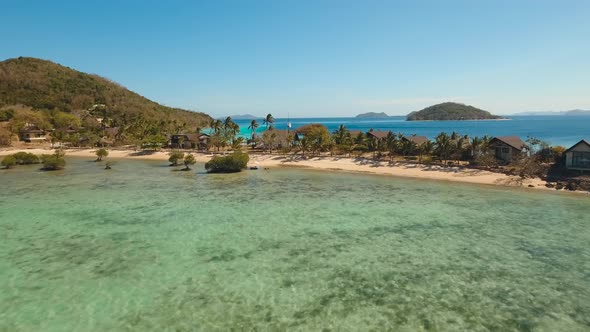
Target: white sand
[(363, 165)]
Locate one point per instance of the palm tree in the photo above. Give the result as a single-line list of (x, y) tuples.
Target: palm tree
[(340, 134), (216, 125), (269, 120), (253, 125), (392, 145), (424, 149), (443, 146)]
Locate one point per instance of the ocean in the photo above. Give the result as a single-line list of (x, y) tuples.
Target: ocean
[(556, 130), (143, 247)]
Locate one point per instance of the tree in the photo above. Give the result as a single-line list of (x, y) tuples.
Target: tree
[(101, 153), (175, 157), (8, 161), (55, 161), (443, 146), (317, 135), (25, 158), (253, 125), (425, 149), (268, 121), (232, 163), (392, 144), (189, 160), (269, 139)]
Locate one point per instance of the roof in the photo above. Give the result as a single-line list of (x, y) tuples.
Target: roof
[(113, 131), (378, 134), (513, 141), (192, 137), (575, 145), (354, 133), (418, 140)]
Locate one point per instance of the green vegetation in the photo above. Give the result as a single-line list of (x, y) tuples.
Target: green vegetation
[(101, 153), (451, 111), (189, 160), (53, 162), (268, 121), (81, 108), (232, 163), (175, 156), (25, 158), (8, 161), (315, 138)]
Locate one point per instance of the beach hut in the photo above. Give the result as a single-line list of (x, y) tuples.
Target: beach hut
[(188, 141), (577, 157), (32, 134), (507, 148), (378, 134), (418, 140)]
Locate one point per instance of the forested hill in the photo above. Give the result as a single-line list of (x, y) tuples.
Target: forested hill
[(48, 87), (451, 111)]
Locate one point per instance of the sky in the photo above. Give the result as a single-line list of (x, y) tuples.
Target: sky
[(318, 58)]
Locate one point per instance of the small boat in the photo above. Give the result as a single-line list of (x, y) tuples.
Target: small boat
[(253, 167)]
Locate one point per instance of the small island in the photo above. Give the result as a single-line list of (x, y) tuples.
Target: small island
[(372, 115), (451, 111)]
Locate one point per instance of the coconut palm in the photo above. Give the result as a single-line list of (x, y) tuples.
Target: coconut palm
[(216, 125), (268, 121), (340, 134), (253, 125), (443, 146), (424, 149)]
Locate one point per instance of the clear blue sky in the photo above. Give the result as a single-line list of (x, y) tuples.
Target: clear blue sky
[(318, 58)]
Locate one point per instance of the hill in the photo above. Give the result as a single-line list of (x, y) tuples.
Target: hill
[(372, 115), (451, 111), (47, 88)]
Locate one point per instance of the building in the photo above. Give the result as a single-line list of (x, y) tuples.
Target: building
[(418, 140), (578, 156), (32, 134), (188, 141), (379, 135), (507, 148)]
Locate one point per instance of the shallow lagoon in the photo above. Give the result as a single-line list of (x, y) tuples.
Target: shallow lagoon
[(142, 247)]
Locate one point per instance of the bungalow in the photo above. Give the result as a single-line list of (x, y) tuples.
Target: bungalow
[(33, 134), (188, 141), (507, 148), (578, 156), (418, 140), (379, 135)]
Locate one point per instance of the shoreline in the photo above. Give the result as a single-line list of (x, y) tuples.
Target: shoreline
[(332, 164)]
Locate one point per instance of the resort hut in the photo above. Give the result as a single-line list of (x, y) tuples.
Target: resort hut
[(378, 134), (418, 140), (507, 148), (577, 157), (188, 141), (33, 134)]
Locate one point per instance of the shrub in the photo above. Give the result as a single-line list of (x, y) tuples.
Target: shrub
[(101, 153), (189, 160), (52, 162), (232, 163), (25, 158), (175, 157), (8, 161)]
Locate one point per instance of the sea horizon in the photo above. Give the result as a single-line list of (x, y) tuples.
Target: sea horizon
[(564, 130)]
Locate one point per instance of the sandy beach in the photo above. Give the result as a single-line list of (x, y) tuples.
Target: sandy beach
[(362, 165)]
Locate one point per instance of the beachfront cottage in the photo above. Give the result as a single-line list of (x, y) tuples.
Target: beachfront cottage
[(578, 156), (507, 148), (188, 141), (32, 134), (379, 135), (418, 140)]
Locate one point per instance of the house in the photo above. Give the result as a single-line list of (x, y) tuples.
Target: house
[(578, 156), (418, 140), (32, 134), (378, 134), (188, 141), (507, 148)]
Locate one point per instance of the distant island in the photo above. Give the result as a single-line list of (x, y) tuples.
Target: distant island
[(576, 112), (451, 111), (246, 117), (372, 115)]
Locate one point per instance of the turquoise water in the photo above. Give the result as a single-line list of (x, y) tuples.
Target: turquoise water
[(563, 130), (145, 248)]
